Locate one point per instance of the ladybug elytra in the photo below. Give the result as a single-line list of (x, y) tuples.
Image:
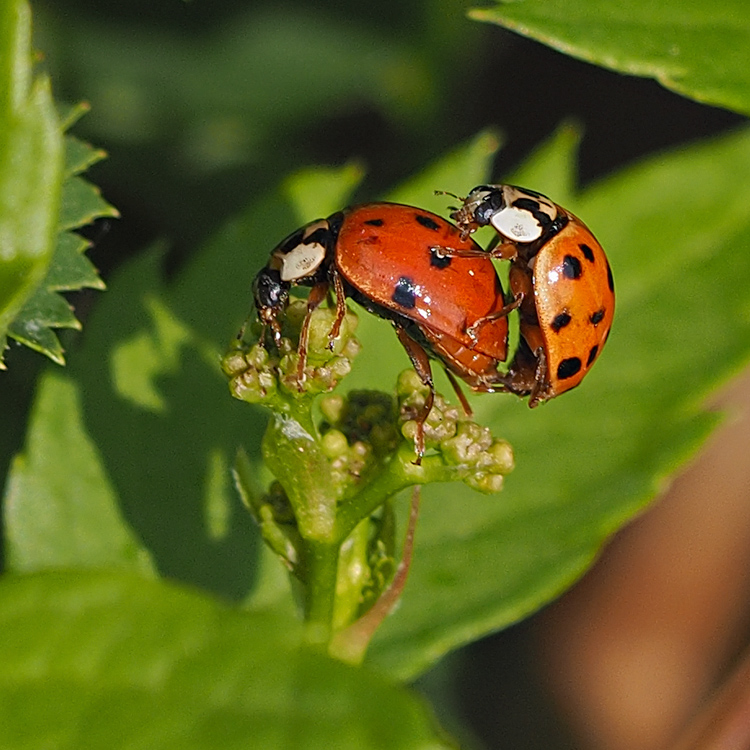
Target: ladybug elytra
[(561, 282)]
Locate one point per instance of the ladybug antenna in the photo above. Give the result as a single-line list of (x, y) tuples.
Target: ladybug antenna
[(452, 195)]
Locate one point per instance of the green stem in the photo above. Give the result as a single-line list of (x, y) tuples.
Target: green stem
[(351, 643), (293, 453), (399, 474), (321, 568)]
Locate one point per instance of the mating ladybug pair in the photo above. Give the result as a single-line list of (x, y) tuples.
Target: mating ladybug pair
[(442, 294)]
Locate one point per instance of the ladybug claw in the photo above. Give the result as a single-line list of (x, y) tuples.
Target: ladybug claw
[(473, 333)]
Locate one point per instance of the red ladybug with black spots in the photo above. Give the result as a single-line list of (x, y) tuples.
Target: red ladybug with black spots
[(561, 282), (386, 256)]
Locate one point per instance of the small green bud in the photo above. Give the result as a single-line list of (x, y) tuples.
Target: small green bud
[(468, 443), (441, 422), (234, 362), (501, 452), (248, 383), (487, 483), (408, 383), (258, 373), (321, 323), (334, 444), (332, 407)]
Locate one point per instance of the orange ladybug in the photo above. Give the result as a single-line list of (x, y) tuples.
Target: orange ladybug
[(561, 282), (386, 256)]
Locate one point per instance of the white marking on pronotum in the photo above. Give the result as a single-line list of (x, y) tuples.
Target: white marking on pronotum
[(517, 224), (302, 261)]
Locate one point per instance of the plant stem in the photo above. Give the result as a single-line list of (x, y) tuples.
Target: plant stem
[(351, 643), (399, 474), (321, 566)]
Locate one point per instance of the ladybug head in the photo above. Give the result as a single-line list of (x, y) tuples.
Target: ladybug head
[(478, 207), (518, 215), (271, 296)]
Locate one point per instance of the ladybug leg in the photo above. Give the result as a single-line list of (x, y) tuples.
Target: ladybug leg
[(461, 395), (316, 296), (541, 385), (421, 363), (502, 251), (272, 323), (442, 251), (473, 330), (338, 286)]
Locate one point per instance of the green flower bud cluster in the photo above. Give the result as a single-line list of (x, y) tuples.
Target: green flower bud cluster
[(469, 449), (329, 516), (358, 432), (258, 374)]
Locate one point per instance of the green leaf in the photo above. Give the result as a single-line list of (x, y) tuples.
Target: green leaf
[(70, 114), (34, 202), (588, 461), (32, 325), (314, 191), (30, 168), (82, 203), (467, 165), (112, 660), (140, 361), (79, 156), (70, 269), (61, 510), (157, 408), (699, 49)]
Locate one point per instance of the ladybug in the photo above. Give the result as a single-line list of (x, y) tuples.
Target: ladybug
[(387, 257), (561, 282)]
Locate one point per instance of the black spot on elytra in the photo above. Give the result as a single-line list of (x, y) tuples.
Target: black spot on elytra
[(375, 222), (439, 261), (588, 253), (597, 317), (592, 354), (571, 267), (405, 293), (568, 368), (560, 321), (610, 280), (427, 222)]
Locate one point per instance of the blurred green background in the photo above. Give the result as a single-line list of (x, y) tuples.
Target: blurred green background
[(203, 107)]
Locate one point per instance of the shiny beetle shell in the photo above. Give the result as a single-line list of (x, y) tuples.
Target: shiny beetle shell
[(562, 277), (386, 254)]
